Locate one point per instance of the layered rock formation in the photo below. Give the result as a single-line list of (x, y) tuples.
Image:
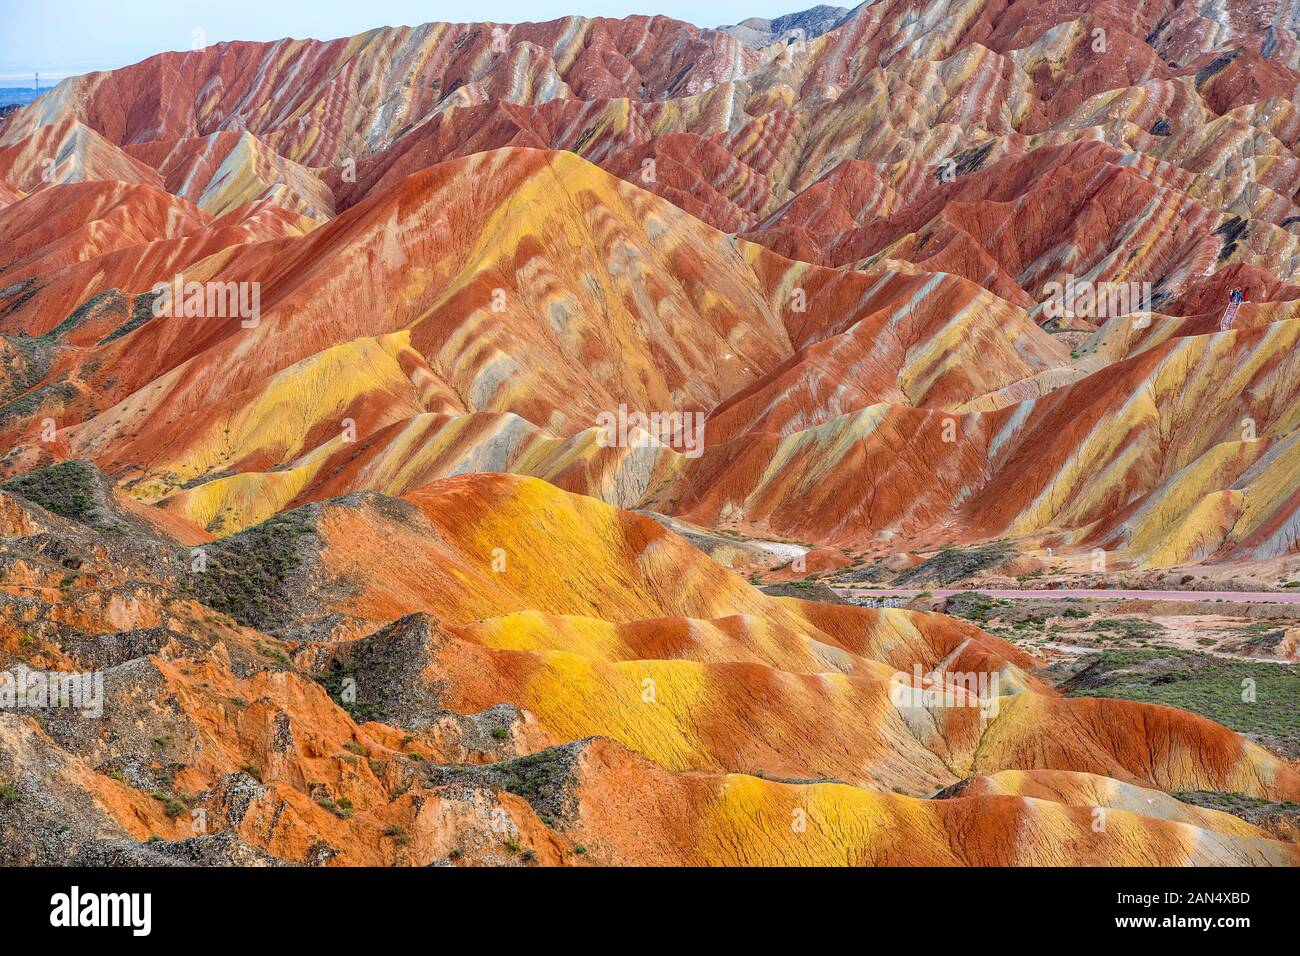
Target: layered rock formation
[(953, 167), (917, 275), (537, 677)]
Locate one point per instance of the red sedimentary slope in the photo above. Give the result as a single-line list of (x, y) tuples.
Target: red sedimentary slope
[(329, 93), (616, 289), (222, 171), (734, 134), (911, 401), (68, 152), (950, 164)]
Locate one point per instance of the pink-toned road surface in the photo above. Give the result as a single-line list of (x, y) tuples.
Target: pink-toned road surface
[(1230, 313), (1093, 594)]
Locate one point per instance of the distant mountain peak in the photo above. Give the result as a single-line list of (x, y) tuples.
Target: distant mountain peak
[(757, 32)]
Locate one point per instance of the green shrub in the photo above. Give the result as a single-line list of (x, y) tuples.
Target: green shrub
[(66, 489)]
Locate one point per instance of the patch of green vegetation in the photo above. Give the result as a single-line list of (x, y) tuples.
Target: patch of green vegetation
[(210, 476), (248, 574), (1211, 686), (1223, 799), (955, 564), (1259, 637), (80, 313), (66, 489), (1279, 818), (971, 605), (341, 808), (171, 806), (335, 683), (8, 794), (141, 314), (1127, 628), (30, 404), (23, 289), (273, 653), (536, 775)]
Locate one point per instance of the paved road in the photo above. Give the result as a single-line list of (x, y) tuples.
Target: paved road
[(1093, 594)]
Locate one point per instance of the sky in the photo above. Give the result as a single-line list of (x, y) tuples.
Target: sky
[(65, 37)]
